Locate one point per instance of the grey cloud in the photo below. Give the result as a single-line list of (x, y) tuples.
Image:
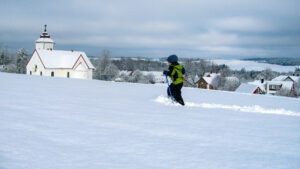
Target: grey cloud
[(190, 27)]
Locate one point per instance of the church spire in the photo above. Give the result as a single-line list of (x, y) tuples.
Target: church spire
[(45, 33), (44, 42)]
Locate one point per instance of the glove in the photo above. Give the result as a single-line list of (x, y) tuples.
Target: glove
[(166, 73)]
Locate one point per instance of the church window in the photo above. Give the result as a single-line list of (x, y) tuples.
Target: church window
[(52, 74), (35, 68), (68, 75), (41, 73), (30, 72)]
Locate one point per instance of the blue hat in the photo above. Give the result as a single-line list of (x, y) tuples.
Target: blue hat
[(172, 59)]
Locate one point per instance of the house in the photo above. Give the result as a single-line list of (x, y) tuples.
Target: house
[(281, 84), (273, 87), (250, 88), (208, 81), (46, 61)]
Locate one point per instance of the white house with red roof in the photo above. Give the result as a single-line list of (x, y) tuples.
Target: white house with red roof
[(46, 61)]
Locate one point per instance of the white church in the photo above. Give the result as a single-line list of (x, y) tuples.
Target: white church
[(46, 61)]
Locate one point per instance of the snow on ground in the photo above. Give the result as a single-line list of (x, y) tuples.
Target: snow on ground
[(87, 124), (250, 109), (252, 65)]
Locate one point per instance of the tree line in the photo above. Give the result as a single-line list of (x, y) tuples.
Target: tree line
[(14, 62), (130, 70)]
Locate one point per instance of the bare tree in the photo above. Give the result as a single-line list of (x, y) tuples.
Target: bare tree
[(111, 72), (22, 60), (105, 69), (150, 78), (267, 74), (231, 84), (136, 76)]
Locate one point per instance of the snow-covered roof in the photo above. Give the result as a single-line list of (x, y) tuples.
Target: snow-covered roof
[(62, 59), (247, 88), (44, 40), (280, 78), (284, 78), (211, 74), (210, 78), (295, 78), (125, 72), (259, 84), (285, 84)]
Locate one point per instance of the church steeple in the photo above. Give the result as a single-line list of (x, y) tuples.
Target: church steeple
[(44, 42), (45, 33)]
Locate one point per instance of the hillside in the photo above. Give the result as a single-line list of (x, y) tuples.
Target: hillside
[(278, 61), (256, 66), (49, 123)]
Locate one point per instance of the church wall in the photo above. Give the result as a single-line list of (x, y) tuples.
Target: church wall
[(64, 73), (35, 66), (82, 62)]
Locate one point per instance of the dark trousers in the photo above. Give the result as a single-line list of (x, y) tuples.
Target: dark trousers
[(176, 92)]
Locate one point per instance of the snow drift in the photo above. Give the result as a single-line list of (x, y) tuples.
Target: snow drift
[(72, 124)]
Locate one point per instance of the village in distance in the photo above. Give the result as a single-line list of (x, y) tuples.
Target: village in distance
[(200, 73)]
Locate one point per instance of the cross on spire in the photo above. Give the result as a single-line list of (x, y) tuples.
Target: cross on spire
[(45, 33)]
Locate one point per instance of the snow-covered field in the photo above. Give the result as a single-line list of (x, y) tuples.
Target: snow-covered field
[(52, 123), (252, 65)]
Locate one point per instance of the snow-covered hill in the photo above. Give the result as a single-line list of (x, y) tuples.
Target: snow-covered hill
[(52, 123), (252, 65)]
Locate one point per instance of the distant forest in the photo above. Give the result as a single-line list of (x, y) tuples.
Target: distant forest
[(277, 61)]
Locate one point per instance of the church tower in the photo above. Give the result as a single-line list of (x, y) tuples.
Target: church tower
[(44, 42)]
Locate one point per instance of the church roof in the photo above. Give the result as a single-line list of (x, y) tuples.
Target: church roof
[(62, 59)]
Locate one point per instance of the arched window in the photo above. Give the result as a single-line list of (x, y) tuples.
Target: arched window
[(52, 74), (30, 72), (68, 75), (35, 68), (41, 73)]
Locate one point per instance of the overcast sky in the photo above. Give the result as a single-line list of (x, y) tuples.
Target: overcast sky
[(157, 28)]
